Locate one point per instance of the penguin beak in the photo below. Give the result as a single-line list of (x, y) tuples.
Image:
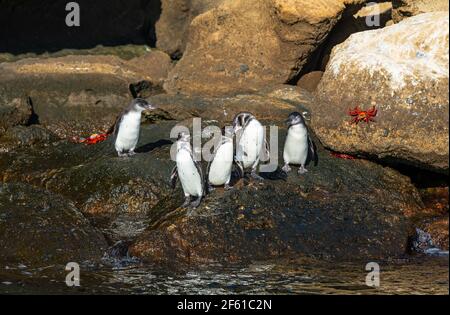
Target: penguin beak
[(150, 107)]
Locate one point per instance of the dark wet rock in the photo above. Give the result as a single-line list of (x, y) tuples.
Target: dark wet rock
[(433, 218), (40, 228), (345, 209), (117, 195), (14, 112), (79, 95), (20, 136), (422, 242), (341, 209)]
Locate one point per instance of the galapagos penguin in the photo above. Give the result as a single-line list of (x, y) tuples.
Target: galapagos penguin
[(220, 167), (298, 148), (188, 171), (250, 142), (127, 127)]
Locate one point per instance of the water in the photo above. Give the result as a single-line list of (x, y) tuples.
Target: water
[(423, 275)]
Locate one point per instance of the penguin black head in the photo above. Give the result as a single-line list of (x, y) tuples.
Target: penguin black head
[(184, 137), (141, 104), (295, 118), (241, 120), (184, 141)]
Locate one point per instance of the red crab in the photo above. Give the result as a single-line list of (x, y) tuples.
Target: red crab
[(92, 139), (362, 115), (342, 156)]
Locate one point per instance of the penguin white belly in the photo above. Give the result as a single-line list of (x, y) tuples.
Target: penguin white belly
[(250, 144), (190, 178), (296, 146), (128, 135), (220, 168)]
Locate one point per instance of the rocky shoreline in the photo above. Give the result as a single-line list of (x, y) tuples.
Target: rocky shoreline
[(62, 201)]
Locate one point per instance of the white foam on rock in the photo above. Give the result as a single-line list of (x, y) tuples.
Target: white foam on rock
[(415, 49)]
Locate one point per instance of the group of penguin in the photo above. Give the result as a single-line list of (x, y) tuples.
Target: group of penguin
[(250, 146)]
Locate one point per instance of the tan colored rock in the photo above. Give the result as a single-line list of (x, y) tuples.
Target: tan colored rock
[(310, 80), (243, 46), (407, 8), (403, 71), (369, 17), (78, 95), (173, 24)]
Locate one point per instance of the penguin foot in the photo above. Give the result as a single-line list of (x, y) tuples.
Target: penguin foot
[(211, 188), (286, 168), (196, 203), (302, 170), (227, 187), (256, 176), (190, 212), (131, 153), (187, 202), (121, 154)]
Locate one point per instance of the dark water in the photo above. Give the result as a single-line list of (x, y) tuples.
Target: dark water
[(424, 275)]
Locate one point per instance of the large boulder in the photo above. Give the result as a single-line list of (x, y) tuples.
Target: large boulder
[(242, 46), (173, 24), (407, 8), (402, 70), (77, 94), (40, 228)]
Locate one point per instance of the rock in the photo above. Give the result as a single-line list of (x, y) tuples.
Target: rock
[(355, 19), (438, 230), (273, 38), (79, 95), (433, 218), (407, 8), (273, 104), (403, 71), (19, 136), (310, 81), (156, 65), (14, 112), (116, 194), (120, 195), (40, 228), (343, 209), (173, 24)]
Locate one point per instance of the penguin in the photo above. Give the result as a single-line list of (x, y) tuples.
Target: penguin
[(127, 127), (298, 148), (250, 142), (188, 171), (221, 165)]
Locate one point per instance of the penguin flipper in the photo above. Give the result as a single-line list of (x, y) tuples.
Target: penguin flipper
[(174, 177), (313, 151), (239, 167), (266, 150), (114, 129)]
